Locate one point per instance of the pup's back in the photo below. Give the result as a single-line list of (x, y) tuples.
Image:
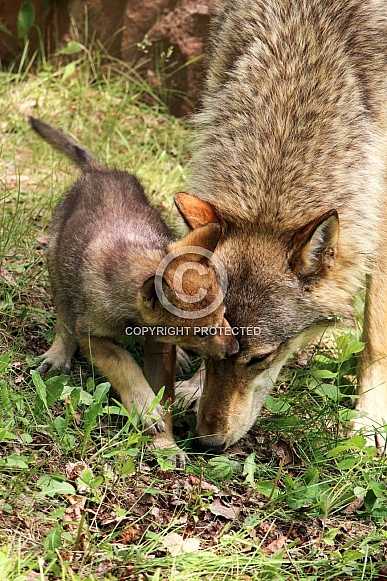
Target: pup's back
[(104, 207)]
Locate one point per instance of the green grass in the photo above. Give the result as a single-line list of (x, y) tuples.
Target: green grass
[(81, 497)]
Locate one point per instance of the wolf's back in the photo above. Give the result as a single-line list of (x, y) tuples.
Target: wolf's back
[(291, 117)]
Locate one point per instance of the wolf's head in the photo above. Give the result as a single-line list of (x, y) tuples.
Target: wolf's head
[(185, 296), (283, 287)]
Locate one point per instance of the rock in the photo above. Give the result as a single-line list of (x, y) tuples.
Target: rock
[(159, 38)]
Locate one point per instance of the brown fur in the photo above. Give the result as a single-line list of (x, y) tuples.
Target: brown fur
[(105, 245), (290, 154)]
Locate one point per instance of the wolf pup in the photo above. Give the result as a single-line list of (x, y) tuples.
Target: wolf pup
[(291, 157), (105, 246)]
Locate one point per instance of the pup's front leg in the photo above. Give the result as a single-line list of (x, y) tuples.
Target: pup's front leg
[(372, 362), (63, 348), (159, 370), (125, 376)]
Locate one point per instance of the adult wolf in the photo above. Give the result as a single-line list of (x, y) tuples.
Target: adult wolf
[(290, 158)]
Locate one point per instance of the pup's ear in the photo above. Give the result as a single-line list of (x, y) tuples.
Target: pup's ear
[(149, 295), (148, 292), (195, 212), (314, 247), (206, 237)]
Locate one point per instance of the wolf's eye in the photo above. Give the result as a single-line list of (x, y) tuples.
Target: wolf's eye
[(201, 335), (255, 360)]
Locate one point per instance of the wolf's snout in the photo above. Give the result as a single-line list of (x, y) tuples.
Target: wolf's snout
[(210, 445), (232, 348)]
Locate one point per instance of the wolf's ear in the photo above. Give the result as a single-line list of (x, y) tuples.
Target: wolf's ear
[(195, 212), (314, 247), (149, 294), (206, 237)]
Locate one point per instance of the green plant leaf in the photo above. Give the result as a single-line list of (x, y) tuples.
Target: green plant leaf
[(5, 358), (69, 70), (60, 425), (41, 390), (220, 468), (128, 468), (71, 47), (54, 388), (352, 348), (351, 555), (4, 28), (50, 487), (330, 391), (323, 374), (165, 464), (95, 409), (347, 463), (25, 19), (329, 537), (311, 476), (370, 500), (249, 468), (53, 540), (275, 406)]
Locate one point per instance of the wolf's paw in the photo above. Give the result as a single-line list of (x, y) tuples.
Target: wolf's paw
[(178, 457), (183, 362), (155, 424), (188, 394), (54, 362)]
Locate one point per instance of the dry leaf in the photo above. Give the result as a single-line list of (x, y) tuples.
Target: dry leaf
[(283, 450), (219, 509), (74, 472), (74, 469), (354, 506), (5, 274), (131, 534), (276, 545), (72, 519), (176, 544)]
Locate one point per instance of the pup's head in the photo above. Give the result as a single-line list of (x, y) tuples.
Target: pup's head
[(185, 296), (283, 287)]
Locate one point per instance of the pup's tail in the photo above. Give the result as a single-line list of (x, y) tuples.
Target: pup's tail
[(85, 160)]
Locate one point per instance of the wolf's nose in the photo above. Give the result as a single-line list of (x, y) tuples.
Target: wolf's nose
[(232, 348), (201, 445)]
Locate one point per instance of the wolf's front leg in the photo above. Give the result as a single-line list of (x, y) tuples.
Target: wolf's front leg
[(63, 348), (188, 392), (125, 376), (159, 370), (372, 362)]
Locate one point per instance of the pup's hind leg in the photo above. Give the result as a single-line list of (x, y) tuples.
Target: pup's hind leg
[(63, 348), (125, 376), (159, 369), (372, 362)]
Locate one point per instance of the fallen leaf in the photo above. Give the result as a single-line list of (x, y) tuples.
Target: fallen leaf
[(276, 545), (283, 450), (219, 509), (131, 534), (74, 469), (354, 506), (176, 544), (73, 518), (5, 274)]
